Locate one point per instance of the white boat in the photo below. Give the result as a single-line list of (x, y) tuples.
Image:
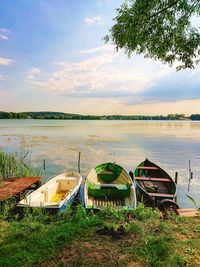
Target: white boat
[(109, 185), (57, 193)]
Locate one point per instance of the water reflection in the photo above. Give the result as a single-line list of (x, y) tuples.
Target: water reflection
[(168, 144)]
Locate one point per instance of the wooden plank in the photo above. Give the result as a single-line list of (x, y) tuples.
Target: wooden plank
[(157, 179), (147, 168), (160, 195), (188, 212), (17, 186)]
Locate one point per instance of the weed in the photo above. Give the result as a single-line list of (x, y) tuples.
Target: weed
[(177, 260), (155, 250), (135, 228), (197, 205), (143, 213)]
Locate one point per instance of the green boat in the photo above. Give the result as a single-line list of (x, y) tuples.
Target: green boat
[(154, 186), (109, 185)]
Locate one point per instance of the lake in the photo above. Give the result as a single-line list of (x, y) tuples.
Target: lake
[(169, 144)]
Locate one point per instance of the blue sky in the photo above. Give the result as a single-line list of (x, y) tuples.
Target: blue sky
[(52, 57)]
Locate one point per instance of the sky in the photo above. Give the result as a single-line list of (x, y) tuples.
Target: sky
[(53, 58)]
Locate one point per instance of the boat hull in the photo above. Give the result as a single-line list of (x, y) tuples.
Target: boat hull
[(56, 194), (106, 188), (153, 184)]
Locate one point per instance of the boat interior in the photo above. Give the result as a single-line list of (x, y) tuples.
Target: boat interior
[(117, 193), (155, 181), (54, 191)]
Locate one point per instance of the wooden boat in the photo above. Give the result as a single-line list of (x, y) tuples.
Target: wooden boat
[(154, 186), (108, 184), (57, 193)]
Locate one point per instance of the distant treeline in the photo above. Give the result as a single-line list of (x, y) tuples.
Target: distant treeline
[(46, 115)]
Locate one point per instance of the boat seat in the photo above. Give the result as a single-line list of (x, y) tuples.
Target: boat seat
[(66, 179), (157, 179), (161, 195), (109, 190), (66, 184), (147, 168)]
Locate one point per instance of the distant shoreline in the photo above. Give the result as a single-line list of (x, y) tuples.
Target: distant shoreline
[(47, 115)]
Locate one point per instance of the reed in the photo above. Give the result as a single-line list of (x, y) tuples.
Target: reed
[(15, 165)]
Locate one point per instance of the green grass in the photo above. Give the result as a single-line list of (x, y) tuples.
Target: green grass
[(79, 239)]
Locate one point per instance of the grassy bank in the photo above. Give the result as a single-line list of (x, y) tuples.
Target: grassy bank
[(142, 237)]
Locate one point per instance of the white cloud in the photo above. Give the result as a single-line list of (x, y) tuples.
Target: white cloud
[(3, 37), (99, 49), (32, 72), (6, 31), (4, 34), (6, 61), (99, 75), (94, 20)]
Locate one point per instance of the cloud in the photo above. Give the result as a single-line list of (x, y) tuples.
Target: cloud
[(34, 70), (171, 87), (3, 37), (1, 77), (94, 20), (4, 34), (99, 75), (6, 61), (99, 49), (104, 74)]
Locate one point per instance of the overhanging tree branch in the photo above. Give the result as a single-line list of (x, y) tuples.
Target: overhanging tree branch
[(159, 29)]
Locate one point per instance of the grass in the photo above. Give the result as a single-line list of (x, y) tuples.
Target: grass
[(141, 237)]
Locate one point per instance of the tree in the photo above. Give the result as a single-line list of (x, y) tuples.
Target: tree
[(159, 29)]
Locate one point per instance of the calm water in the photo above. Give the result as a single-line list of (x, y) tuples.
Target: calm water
[(168, 144)]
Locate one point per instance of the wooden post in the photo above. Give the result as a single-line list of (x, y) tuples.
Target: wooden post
[(176, 182), (176, 177), (190, 175), (44, 164), (79, 162)]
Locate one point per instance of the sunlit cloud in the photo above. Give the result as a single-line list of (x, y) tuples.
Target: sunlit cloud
[(104, 75), (6, 61), (99, 49), (99, 75), (94, 20), (34, 70)]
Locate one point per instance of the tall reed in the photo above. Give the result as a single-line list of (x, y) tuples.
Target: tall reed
[(15, 165)]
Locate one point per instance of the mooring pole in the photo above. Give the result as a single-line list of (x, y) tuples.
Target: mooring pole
[(176, 182), (79, 162), (176, 177), (190, 175), (44, 164)]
